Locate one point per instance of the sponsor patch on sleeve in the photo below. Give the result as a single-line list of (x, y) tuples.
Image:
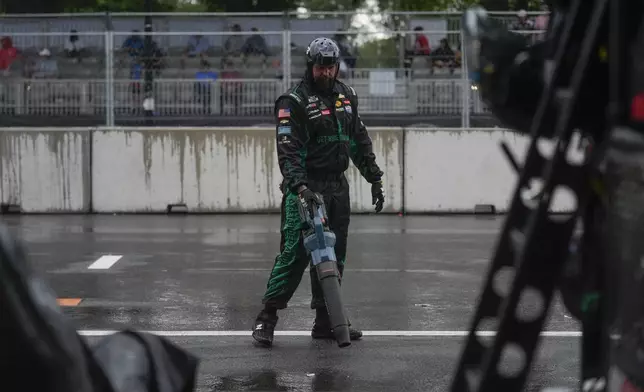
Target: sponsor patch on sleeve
[(284, 113), (284, 130)]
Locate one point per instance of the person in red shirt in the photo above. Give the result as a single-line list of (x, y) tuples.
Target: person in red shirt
[(421, 45), (8, 53), (419, 48)]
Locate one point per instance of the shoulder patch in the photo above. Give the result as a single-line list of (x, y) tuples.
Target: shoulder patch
[(296, 97), (346, 88)]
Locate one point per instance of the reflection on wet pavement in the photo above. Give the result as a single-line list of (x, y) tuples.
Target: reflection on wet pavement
[(269, 380), (208, 273)]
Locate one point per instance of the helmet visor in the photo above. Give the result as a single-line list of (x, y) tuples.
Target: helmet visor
[(325, 59)]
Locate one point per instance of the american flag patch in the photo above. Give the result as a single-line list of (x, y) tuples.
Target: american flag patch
[(284, 113)]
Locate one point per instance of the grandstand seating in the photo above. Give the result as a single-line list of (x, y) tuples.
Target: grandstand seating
[(242, 86)]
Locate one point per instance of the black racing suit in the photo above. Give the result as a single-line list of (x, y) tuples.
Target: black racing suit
[(317, 136)]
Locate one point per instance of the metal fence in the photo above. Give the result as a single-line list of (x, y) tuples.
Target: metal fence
[(101, 75), (218, 21)]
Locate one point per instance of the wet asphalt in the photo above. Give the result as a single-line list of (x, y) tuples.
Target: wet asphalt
[(207, 274)]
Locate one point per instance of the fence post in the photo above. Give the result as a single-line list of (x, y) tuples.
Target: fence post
[(109, 77), (148, 83), (465, 83), (286, 58)]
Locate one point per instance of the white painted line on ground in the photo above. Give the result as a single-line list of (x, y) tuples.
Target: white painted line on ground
[(352, 270), (254, 231), (105, 262), (561, 334)]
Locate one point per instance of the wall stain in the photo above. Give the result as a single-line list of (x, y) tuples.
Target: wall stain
[(256, 187), (212, 154), (386, 146), (241, 147), (11, 157), (235, 147), (228, 170), (56, 156), (63, 149), (245, 150)]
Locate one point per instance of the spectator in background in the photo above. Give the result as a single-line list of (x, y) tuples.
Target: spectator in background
[(522, 22), (203, 86), (73, 46), (457, 56), (418, 47), (234, 43), (8, 54), (157, 60), (133, 44), (255, 45), (443, 56), (198, 45), (231, 89), (421, 43), (46, 67), (541, 22)]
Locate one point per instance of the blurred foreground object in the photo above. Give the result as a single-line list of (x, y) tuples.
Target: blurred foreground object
[(40, 349), (584, 81)]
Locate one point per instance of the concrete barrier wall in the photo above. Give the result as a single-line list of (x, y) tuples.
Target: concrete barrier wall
[(212, 170), (451, 171), (454, 170), (45, 171), (236, 170)]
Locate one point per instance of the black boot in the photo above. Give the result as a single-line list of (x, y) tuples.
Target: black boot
[(322, 327), (264, 327)]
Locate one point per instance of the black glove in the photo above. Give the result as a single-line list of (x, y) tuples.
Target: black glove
[(377, 197), (309, 199)]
